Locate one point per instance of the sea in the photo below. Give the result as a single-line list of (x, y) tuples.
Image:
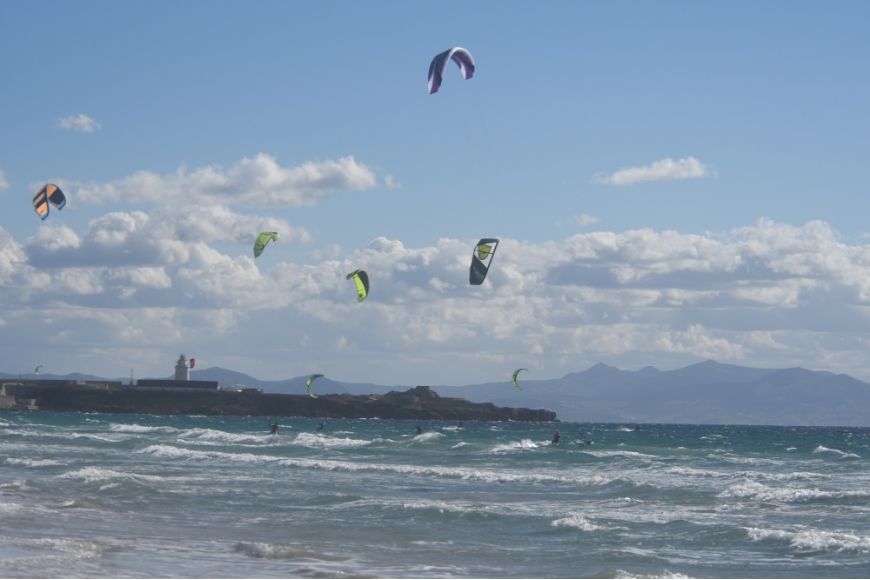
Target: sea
[(103, 495)]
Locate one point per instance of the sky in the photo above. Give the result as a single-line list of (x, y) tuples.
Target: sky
[(671, 182)]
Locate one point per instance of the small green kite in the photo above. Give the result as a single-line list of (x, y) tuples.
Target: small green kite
[(263, 239)]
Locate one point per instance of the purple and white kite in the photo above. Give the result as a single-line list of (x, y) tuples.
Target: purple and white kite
[(460, 56)]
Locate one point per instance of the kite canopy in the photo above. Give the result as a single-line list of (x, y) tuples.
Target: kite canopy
[(481, 259), (308, 381), (263, 239), (49, 193), (517, 372), (460, 56), (36, 370), (361, 279)]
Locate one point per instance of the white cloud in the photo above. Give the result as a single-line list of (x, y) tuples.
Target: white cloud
[(768, 294), (258, 181), (390, 182), (80, 122), (162, 237), (583, 220), (4, 185), (662, 170)]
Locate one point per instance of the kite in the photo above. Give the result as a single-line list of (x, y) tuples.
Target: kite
[(481, 259), (361, 279), (49, 193), (460, 56), (516, 372), (263, 239), (308, 382), (36, 370)]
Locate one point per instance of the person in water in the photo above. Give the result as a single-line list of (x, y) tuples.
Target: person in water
[(320, 426), (419, 430), (274, 429), (556, 438)]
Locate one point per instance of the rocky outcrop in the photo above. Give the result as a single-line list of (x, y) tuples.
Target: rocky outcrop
[(417, 403)]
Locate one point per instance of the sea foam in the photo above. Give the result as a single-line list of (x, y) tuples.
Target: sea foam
[(814, 540), (841, 454), (761, 492)]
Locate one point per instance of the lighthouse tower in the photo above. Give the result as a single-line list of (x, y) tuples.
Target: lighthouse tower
[(182, 371)]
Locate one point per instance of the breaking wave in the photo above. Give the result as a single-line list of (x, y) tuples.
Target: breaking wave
[(814, 540), (466, 473), (313, 440), (841, 454), (281, 552), (136, 428), (761, 492)]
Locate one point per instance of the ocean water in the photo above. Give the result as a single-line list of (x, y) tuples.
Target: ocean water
[(98, 495)]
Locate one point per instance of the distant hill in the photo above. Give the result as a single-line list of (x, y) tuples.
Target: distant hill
[(707, 392)]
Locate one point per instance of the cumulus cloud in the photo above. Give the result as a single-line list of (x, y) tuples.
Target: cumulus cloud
[(159, 238), (583, 220), (662, 170), (259, 181), (80, 122), (768, 294)]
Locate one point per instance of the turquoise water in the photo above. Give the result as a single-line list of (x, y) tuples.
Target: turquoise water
[(152, 496)]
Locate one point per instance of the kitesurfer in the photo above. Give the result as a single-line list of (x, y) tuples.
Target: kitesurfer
[(419, 430), (320, 426), (274, 429), (556, 438)]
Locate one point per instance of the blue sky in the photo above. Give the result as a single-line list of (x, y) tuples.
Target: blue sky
[(745, 123)]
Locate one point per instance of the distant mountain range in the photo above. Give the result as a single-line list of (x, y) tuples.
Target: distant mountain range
[(707, 392)]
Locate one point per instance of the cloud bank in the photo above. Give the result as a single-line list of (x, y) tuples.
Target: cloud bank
[(256, 182), (144, 286), (662, 170)]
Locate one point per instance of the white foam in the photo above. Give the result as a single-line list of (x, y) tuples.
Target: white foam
[(664, 574), (95, 474), (431, 435), (7, 507), (33, 462), (631, 454), (316, 440), (754, 475), (136, 428), (576, 521), (214, 436), (841, 454), (444, 507), (517, 446), (460, 444), (761, 492), (280, 552), (169, 451), (814, 540)]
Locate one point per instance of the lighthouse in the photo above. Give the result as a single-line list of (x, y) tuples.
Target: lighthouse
[(182, 371)]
